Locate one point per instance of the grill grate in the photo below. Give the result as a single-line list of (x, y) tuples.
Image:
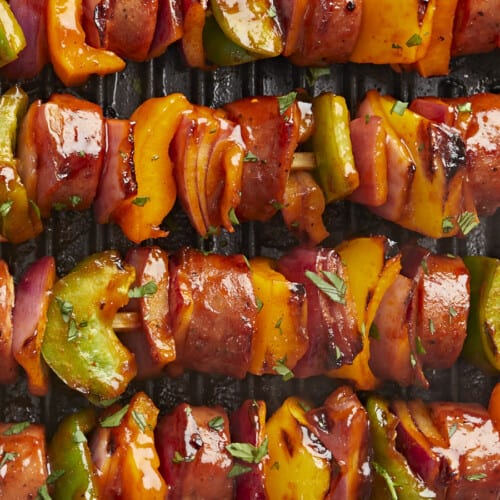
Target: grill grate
[(70, 236)]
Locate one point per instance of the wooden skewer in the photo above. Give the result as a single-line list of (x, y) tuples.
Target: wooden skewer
[(303, 161), (126, 321)]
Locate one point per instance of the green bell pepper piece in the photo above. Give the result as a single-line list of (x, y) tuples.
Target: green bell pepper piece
[(252, 24), (79, 343), (19, 220), (13, 106), (331, 142), (70, 458), (393, 477), (482, 345), (12, 39), (222, 51)]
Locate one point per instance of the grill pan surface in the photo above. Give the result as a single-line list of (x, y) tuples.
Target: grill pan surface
[(70, 236)]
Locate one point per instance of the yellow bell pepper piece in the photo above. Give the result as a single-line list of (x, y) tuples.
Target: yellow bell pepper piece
[(156, 121), (369, 276), (425, 207), (436, 60), (298, 465), (394, 32), (281, 326)]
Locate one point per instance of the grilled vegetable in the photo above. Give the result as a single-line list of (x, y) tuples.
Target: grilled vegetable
[(73, 59), (79, 342), (69, 455), (482, 345), (12, 39)]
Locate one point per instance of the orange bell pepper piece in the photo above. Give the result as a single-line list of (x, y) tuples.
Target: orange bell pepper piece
[(303, 207), (131, 470), (156, 121), (393, 32), (436, 60), (369, 278), (494, 406), (73, 60), (281, 326)]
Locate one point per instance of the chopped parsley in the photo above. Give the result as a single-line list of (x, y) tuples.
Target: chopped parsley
[(238, 470), (467, 222), (335, 288), (432, 328), (466, 107), (374, 333), (414, 40), (178, 458), (413, 360), (5, 208), (141, 201), (7, 457), (399, 107), (79, 437), (66, 309), (281, 369), (476, 477), (451, 430), (259, 304), (217, 423), (74, 200), (419, 346), (447, 224), (313, 74), (72, 330), (232, 217), (285, 101), (278, 325), (116, 418), (250, 157), (16, 429), (140, 420), (271, 12), (147, 290), (36, 209), (424, 266), (247, 452)]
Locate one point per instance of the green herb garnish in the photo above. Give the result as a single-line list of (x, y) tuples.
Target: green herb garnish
[(16, 429), (217, 423), (467, 222), (5, 208), (147, 290), (285, 101), (281, 369), (141, 201), (116, 418), (399, 107), (335, 288), (414, 40)]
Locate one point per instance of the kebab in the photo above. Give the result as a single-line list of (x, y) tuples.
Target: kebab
[(430, 168), (343, 448), (98, 37), (312, 312)]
